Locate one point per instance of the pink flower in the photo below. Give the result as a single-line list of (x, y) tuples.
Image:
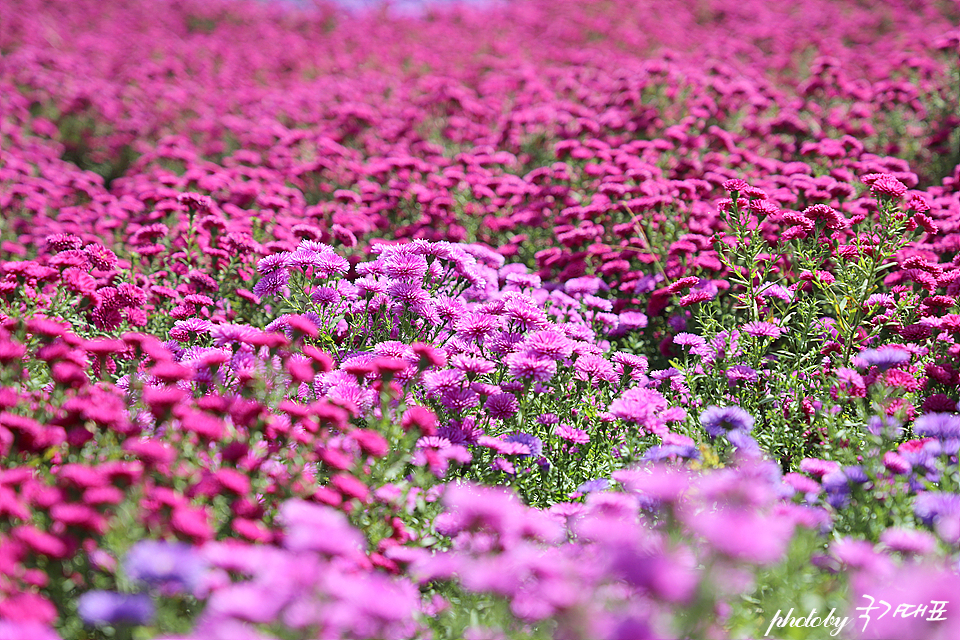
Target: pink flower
[(886, 185)]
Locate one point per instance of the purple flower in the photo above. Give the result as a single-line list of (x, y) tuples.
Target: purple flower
[(459, 400), (330, 263), (472, 364), (594, 368), (110, 608), (274, 263), (476, 325), (744, 443), (762, 330), (408, 293), (527, 367), (943, 426), (501, 406), (688, 340), (718, 420), (587, 285), (437, 382), (908, 541), (741, 373), (631, 321), (671, 451), (548, 343), (642, 407), (572, 434), (319, 529), (406, 267), (884, 357), (598, 484), (271, 283), (172, 566), (533, 443), (325, 296), (932, 507)]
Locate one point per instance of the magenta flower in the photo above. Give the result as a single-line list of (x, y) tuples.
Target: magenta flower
[(885, 185), (527, 367), (641, 407), (762, 330), (501, 406)]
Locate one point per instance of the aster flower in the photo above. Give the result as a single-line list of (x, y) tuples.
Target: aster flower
[(548, 343), (631, 363), (330, 263), (940, 510), (325, 296), (662, 452), (524, 280), (885, 185), (595, 369), (533, 444), (273, 263), (586, 285), (405, 267), (631, 321), (736, 185), (110, 608), (943, 426), (641, 407), (831, 218), (762, 330), (172, 566), (476, 325), (741, 373), (571, 434), (719, 420), (817, 467), (524, 315), (63, 242), (883, 358), (271, 283), (908, 541), (408, 293), (501, 406), (474, 365), (523, 366), (436, 382), (504, 447), (100, 257), (591, 486), (688, 340), (459, 400)]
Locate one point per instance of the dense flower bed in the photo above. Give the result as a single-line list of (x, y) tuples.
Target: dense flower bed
[(566, 319)]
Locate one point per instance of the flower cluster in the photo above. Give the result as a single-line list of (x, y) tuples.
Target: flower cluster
[(318, 322)]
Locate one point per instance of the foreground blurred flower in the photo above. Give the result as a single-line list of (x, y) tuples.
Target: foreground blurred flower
[(110, 608), (171, 566)]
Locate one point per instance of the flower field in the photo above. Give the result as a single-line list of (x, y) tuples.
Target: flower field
[(604, 320)]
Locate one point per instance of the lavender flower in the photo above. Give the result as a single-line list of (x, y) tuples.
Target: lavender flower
[(110, 608), (884, 358), (943, 426), (172, 566), (719, 420)]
